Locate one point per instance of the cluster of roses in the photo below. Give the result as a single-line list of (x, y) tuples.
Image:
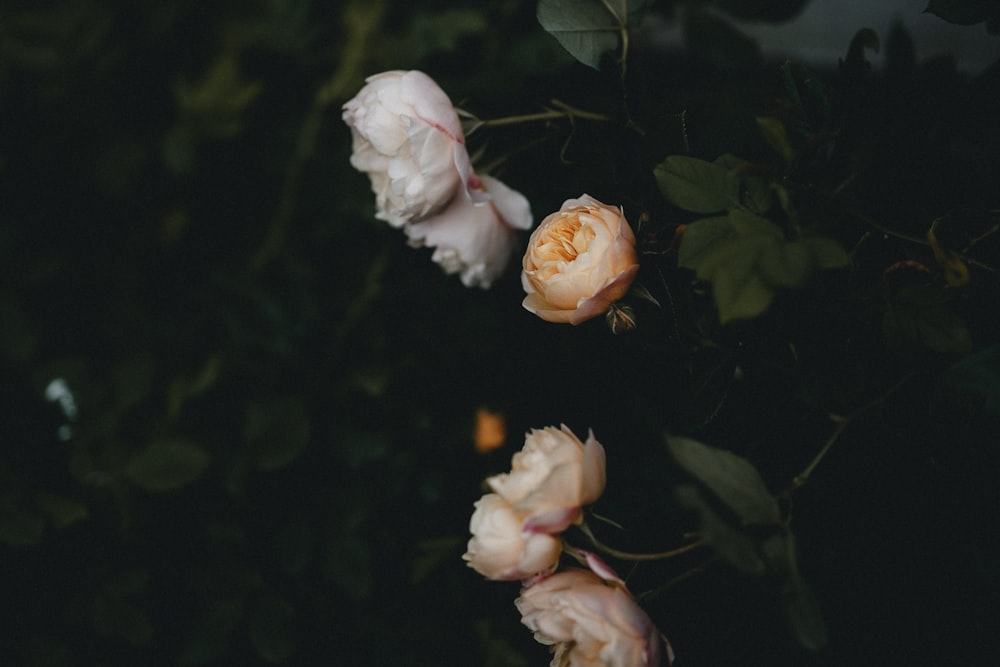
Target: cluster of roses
[(586, 615), (580, 260), (408, 138)]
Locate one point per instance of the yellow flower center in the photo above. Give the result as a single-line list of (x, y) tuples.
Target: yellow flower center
[(565, 240)]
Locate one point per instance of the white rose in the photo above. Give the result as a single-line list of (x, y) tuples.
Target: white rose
[(473, 239), (579, 261), (501, 550), (408, 139), (552, 478), (588, 622)]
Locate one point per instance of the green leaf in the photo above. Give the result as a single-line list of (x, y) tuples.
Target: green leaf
[(588, 28), (741, 295), (776, 135), (828, 253), (701, 238), (730, 543), (804, 616), (790, 265), (696, 185), (166, 465), (755, 189), (963, 12), (749, 224), (746, 259), (730, 477)]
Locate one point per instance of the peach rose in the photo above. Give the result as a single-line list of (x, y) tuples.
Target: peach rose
[(408, 139), (500, 549), (475, 239), (579, 261), (515, 530), (552, 478), (588, 622)]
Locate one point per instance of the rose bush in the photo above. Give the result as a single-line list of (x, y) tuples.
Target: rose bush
[(515, 528), (588, 622), (408, 139), (579, 261), (473, 239)]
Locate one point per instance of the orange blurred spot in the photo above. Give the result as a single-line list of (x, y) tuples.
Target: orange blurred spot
[(490, 431), (678, 233)]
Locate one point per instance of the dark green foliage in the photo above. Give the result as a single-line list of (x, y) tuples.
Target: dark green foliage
[(236, 411)]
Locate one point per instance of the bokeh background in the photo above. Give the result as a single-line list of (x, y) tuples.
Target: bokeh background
[(237, 413)]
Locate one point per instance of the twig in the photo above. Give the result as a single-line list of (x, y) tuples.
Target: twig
[(800, 480), (915, 239), (625, 555)]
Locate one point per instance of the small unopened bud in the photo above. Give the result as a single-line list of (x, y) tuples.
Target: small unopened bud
[(620, 319)]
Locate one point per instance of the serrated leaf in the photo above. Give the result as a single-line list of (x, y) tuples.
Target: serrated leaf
[(166, 465), (729, 477), (587, 28), (697, 185)]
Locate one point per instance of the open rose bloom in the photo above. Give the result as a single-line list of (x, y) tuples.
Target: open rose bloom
[(475, 240), (515, 529), (579, 261), (588, 622), (408, 139)]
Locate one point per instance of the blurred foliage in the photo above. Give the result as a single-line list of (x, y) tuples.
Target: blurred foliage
[(238, 413)]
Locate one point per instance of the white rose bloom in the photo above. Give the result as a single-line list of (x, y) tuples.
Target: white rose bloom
[(408, 139), (474, 239)]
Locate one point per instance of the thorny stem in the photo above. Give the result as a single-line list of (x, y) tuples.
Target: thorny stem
[(561, 110), (800, 480), (625, 555), (916, 239), (361, 20)]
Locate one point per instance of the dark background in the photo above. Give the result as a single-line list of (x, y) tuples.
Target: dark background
[(263, 453)]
